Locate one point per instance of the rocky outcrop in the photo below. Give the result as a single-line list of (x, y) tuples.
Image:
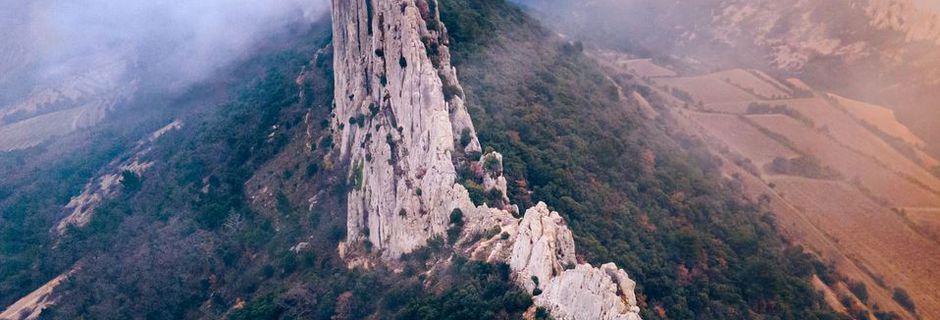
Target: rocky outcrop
[(395, 125), (543, 261), (32, 305), (80, 208), (543, 248), (586, 293), (401, 125)]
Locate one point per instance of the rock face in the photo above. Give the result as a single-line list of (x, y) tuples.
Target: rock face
[(401, 124), (32, 305), (543, 248), (586, 292), (80, 208), (394, 125)]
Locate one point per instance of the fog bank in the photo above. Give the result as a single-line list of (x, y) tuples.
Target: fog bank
[(183, 41)]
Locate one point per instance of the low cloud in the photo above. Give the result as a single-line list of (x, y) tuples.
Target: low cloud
[(182, 40)]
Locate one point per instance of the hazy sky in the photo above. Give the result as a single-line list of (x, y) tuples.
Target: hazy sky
[(933, 4)]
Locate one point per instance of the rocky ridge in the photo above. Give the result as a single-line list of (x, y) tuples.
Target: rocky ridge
[(401, 124), (917, 22), (80, 208)]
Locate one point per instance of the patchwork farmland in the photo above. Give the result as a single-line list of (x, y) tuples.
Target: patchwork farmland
[(843, 178)]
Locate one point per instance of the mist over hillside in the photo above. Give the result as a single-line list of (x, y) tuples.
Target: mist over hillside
[(469, 159), (180, 41), (881, 51), (67, 64)]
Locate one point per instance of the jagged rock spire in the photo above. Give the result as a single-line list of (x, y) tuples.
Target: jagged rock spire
[(401, 125)]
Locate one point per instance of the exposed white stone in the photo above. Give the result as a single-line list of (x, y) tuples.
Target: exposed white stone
[(81, 207), (401, 156), (543, 247), (399, 133), (587, 293), (493, 177), (32, 305)]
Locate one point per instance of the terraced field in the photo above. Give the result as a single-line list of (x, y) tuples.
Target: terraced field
[(646, 68), (33, 131), (850, 222), (75, 103), (755, 82), (880, 117), (738, 107), (708, 90), (878, 239), (884, 184), (926, 220), (845, 130), (744, 138)]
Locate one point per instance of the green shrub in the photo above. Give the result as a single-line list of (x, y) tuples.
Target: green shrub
[(900, 295), (456, 216), (477, 194), (451, 91), (465, 137), (263, 308), (130, 180), (312, 169), (860, 290)]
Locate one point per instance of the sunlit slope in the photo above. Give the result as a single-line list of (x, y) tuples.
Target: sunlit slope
[(843, 177)]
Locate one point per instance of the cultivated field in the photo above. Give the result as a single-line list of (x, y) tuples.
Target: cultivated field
[(878, 239), (33, 131), (849, 222), (880, 117), (845, 130), (646, 68), (738, 107), (883, 183), (926, 220), (743, 138), (754, 82), (708, 90)]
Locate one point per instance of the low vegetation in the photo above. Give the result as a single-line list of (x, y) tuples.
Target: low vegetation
[(764, 108), (803, 166), (859, 290), (187, 239), (568, 140), (904, 299)]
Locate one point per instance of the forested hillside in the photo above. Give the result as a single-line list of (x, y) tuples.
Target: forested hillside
[(652, 202)]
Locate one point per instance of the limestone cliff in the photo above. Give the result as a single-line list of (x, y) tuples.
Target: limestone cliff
[(401, 124), (394, 123)]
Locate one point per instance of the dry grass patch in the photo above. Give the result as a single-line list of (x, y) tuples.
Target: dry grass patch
[(880, 117), (876, 238), (882, 183), (844, 129), (744, 138), (646, 68)]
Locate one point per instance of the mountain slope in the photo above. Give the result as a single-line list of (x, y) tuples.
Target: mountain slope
[(394, 79), (244, 208), (880, 51), (835, 182), (631, 194)]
